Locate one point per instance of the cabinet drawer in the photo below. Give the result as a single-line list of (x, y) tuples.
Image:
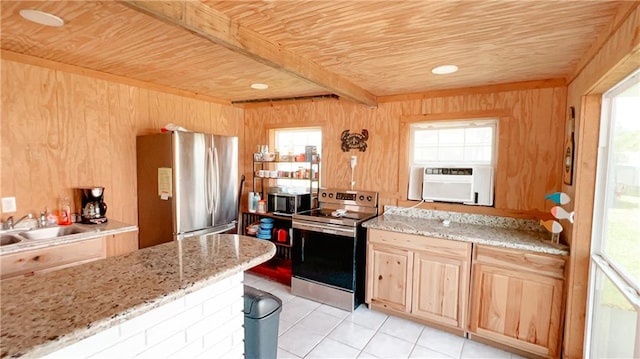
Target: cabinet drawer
[(46, 258), (538, 263), (441, 247)]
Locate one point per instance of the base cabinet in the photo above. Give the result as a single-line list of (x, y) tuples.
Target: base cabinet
[(517, 299), (122, 243), (389, 280), (425, 278), (52, 258), (440, 289)]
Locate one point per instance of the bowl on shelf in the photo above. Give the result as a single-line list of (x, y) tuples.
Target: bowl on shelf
[(266, 225), (266, 220), (268, 156), (264, 231)]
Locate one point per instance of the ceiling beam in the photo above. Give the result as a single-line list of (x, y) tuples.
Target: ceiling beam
[(218, 28)]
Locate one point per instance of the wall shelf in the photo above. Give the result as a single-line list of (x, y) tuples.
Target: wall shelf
[(307, 173)]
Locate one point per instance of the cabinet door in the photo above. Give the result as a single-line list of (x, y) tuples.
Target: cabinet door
[(439, 289), (52, 258), (122, 243), (516, 308), (389, 277)]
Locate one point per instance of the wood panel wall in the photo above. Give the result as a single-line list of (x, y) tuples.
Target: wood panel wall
[(61, 130), (530, 157)]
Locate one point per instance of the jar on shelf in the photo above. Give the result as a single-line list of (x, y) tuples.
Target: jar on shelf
[(262, 206)]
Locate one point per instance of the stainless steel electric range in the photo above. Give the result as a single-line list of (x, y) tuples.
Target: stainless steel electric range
[(328, 249)]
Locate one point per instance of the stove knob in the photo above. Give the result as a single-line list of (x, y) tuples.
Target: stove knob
[(369, 198), (361, 197), (330, 195), (324, 194)]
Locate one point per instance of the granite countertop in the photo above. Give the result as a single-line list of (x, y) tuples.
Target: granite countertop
[(46, 312), (490, 230), (93, 231)]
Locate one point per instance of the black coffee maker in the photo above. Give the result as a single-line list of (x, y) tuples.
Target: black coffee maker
[(92, 206)]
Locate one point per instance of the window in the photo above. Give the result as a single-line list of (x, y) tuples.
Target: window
[(292, 141), (454, 143), (613, 324)]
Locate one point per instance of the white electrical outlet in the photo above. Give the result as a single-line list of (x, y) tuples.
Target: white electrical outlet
[(9, 204), (354, 161)]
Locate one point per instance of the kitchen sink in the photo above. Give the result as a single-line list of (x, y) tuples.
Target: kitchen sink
[(7, 239), (51, 232)]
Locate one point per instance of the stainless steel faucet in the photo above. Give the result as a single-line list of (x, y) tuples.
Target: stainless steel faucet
[(11, 224)]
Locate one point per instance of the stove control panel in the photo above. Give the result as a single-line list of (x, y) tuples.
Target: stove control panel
[(348, 197)]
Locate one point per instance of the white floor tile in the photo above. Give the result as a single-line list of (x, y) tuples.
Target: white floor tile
[(386, 346), (308, 329), (264, 284), (473, 349), (441, 342), (283, 326), (320, 322), (336, 312), (422, 352), (352, 334), (283, 354), (331, 349), (367, 318), (297, 308), (250, 278), (364, 355), (299, 340), (402, 328), (283, 293)]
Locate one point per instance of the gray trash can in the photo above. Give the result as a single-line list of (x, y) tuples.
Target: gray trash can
[(261, 319)]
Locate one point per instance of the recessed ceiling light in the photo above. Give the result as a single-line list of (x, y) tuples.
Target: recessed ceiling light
[(259, 86), (444, 69), (41, 17)]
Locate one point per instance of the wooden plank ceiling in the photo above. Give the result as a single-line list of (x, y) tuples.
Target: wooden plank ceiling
[(356, 49)]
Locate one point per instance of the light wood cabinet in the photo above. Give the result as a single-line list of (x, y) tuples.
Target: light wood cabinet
[(517, 299), (122, 243), (51, 258), (440, 288), (389, 277), (422, 277)]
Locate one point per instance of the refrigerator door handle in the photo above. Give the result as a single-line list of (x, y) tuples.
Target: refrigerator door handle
[(216, 193), (209, 166)]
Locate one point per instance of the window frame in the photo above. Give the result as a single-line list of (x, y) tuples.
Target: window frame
[(463, 123), (315, 185)]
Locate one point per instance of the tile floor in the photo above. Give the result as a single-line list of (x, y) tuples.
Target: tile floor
[(314, 330)]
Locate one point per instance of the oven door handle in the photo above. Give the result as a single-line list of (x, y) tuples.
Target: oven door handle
[(325, 229)]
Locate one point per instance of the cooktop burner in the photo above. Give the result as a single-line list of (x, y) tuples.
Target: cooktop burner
[(332, 213), (343, 207)]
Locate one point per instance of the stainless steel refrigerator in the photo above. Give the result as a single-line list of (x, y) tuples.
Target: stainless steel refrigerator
[(187, 185)]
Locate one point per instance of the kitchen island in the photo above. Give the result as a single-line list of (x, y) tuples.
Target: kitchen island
[(142, 303)]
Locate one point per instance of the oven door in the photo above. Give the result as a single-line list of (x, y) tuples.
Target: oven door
[(324, 253)]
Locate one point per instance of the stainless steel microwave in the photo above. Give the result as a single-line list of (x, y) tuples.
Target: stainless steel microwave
[(286, 204)]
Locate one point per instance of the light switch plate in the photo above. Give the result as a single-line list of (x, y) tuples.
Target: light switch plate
[(8, 204)]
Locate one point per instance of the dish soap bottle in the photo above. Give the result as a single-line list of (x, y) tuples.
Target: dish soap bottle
[(64, 217)]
